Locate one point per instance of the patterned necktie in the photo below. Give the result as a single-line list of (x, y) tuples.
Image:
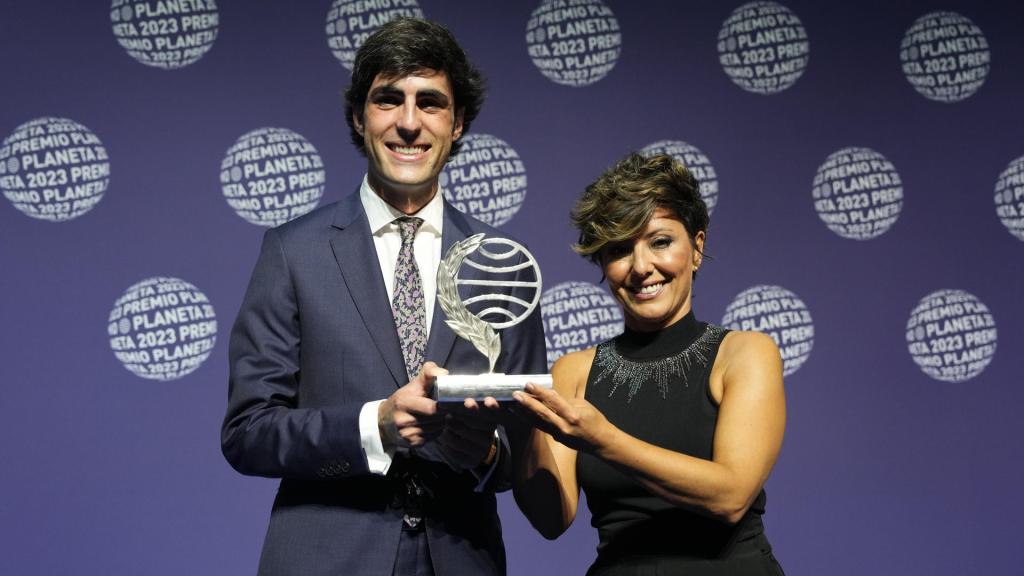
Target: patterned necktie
[(408, 304)]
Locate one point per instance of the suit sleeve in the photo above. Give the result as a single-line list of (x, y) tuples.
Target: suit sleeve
[(264, 432)]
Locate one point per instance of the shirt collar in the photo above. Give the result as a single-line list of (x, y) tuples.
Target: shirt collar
[(381, 214)]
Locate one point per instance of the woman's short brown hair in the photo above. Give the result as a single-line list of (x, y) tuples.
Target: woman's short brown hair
[(618, 205)]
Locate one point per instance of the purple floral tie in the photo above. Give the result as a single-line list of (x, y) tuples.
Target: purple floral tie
[(408, 304)]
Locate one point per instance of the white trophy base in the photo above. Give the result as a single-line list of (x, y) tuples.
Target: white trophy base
[(458, 387)]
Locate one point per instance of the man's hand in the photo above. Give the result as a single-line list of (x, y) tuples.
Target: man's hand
[(409, 418), (469, 434)]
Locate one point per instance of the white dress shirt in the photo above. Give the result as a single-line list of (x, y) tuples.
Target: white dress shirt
[(387, 239)]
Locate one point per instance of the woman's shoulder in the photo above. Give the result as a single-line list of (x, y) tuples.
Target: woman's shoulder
[(750, 360), (741, 347), (745, 341), (570, 370), (574, 361)]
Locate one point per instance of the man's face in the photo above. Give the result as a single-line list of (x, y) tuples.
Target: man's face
[(408, 125)]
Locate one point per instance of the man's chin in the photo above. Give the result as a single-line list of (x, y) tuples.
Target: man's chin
[(395, 191), (412, 187)]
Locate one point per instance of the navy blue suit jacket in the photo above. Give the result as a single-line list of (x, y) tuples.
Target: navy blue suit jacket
[(314, 340)]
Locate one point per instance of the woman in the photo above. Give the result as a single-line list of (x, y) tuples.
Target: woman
[(672, 428)]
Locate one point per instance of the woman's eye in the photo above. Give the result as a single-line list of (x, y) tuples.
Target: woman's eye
[(662, 242), (616, 251)]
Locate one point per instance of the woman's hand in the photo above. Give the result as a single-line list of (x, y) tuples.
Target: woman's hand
[(746, 382), (573, 422), (545, 471)]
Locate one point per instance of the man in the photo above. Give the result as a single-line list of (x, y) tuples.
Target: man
[(327, 390)]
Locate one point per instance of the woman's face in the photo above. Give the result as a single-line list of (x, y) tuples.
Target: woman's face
[(652, 274)]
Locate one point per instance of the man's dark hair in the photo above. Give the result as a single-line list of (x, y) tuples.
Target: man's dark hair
[(404, 46)]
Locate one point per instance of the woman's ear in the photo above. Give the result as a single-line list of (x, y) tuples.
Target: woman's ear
[(698, 249)]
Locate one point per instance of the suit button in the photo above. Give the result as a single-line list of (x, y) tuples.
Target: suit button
[(345, 467)]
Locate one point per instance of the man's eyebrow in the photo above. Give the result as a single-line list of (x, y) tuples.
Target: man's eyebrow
[(439, 96), (388, 89), (391, 90)]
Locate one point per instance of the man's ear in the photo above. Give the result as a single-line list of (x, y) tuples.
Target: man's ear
[(457, 126), (357, 121)]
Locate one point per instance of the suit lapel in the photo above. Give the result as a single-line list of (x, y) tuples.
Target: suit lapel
[(442, 339), (353, 248)]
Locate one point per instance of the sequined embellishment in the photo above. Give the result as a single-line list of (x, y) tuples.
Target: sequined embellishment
[(612, 366)]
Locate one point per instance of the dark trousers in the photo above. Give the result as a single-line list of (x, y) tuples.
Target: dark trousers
[(413, 554)]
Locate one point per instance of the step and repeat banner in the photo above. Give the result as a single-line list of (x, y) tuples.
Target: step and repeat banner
[(863, 162)]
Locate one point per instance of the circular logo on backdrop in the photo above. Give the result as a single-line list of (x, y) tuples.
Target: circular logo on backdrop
[(778, 313), (945, 56), (763, 47), (351, 22), (1010, 198), (53, 169), (165, 33), (578, 315), (486, 179), (695, 161), (573, 42), (162, 328), (857, 193), (951, 335), (272, 175)]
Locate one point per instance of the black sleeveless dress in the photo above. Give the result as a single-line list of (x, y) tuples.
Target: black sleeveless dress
[(655, 387)]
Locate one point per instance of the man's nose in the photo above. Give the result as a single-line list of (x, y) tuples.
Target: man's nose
[(409, 121)]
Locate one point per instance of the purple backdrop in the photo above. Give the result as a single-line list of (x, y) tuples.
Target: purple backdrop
[(887, 467)]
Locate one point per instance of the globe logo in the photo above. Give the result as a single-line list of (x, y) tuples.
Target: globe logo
[(272, 175), (779, 313), (945, 56), (951, 335), (1009, 197), (857, 193), (162, 328), (763, 47), (165, 34), (573, 42), (53, 169), (486, 179), (577, 316), (512, 275), (351, 22), (695, 161)]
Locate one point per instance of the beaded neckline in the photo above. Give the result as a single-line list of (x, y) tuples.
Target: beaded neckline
[(625, 372)]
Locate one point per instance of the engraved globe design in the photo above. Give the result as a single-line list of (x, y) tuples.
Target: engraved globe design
[(497, 309), (507, 288)]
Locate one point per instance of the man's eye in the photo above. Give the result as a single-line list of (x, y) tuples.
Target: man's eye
[(386, 101)]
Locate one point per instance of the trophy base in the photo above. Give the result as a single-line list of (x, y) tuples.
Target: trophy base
[(456, 388)]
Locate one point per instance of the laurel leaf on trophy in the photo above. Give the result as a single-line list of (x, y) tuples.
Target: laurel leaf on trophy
[(458, 317), (498, 305)]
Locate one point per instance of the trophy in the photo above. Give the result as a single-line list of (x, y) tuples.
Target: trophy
[(495, 311)]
